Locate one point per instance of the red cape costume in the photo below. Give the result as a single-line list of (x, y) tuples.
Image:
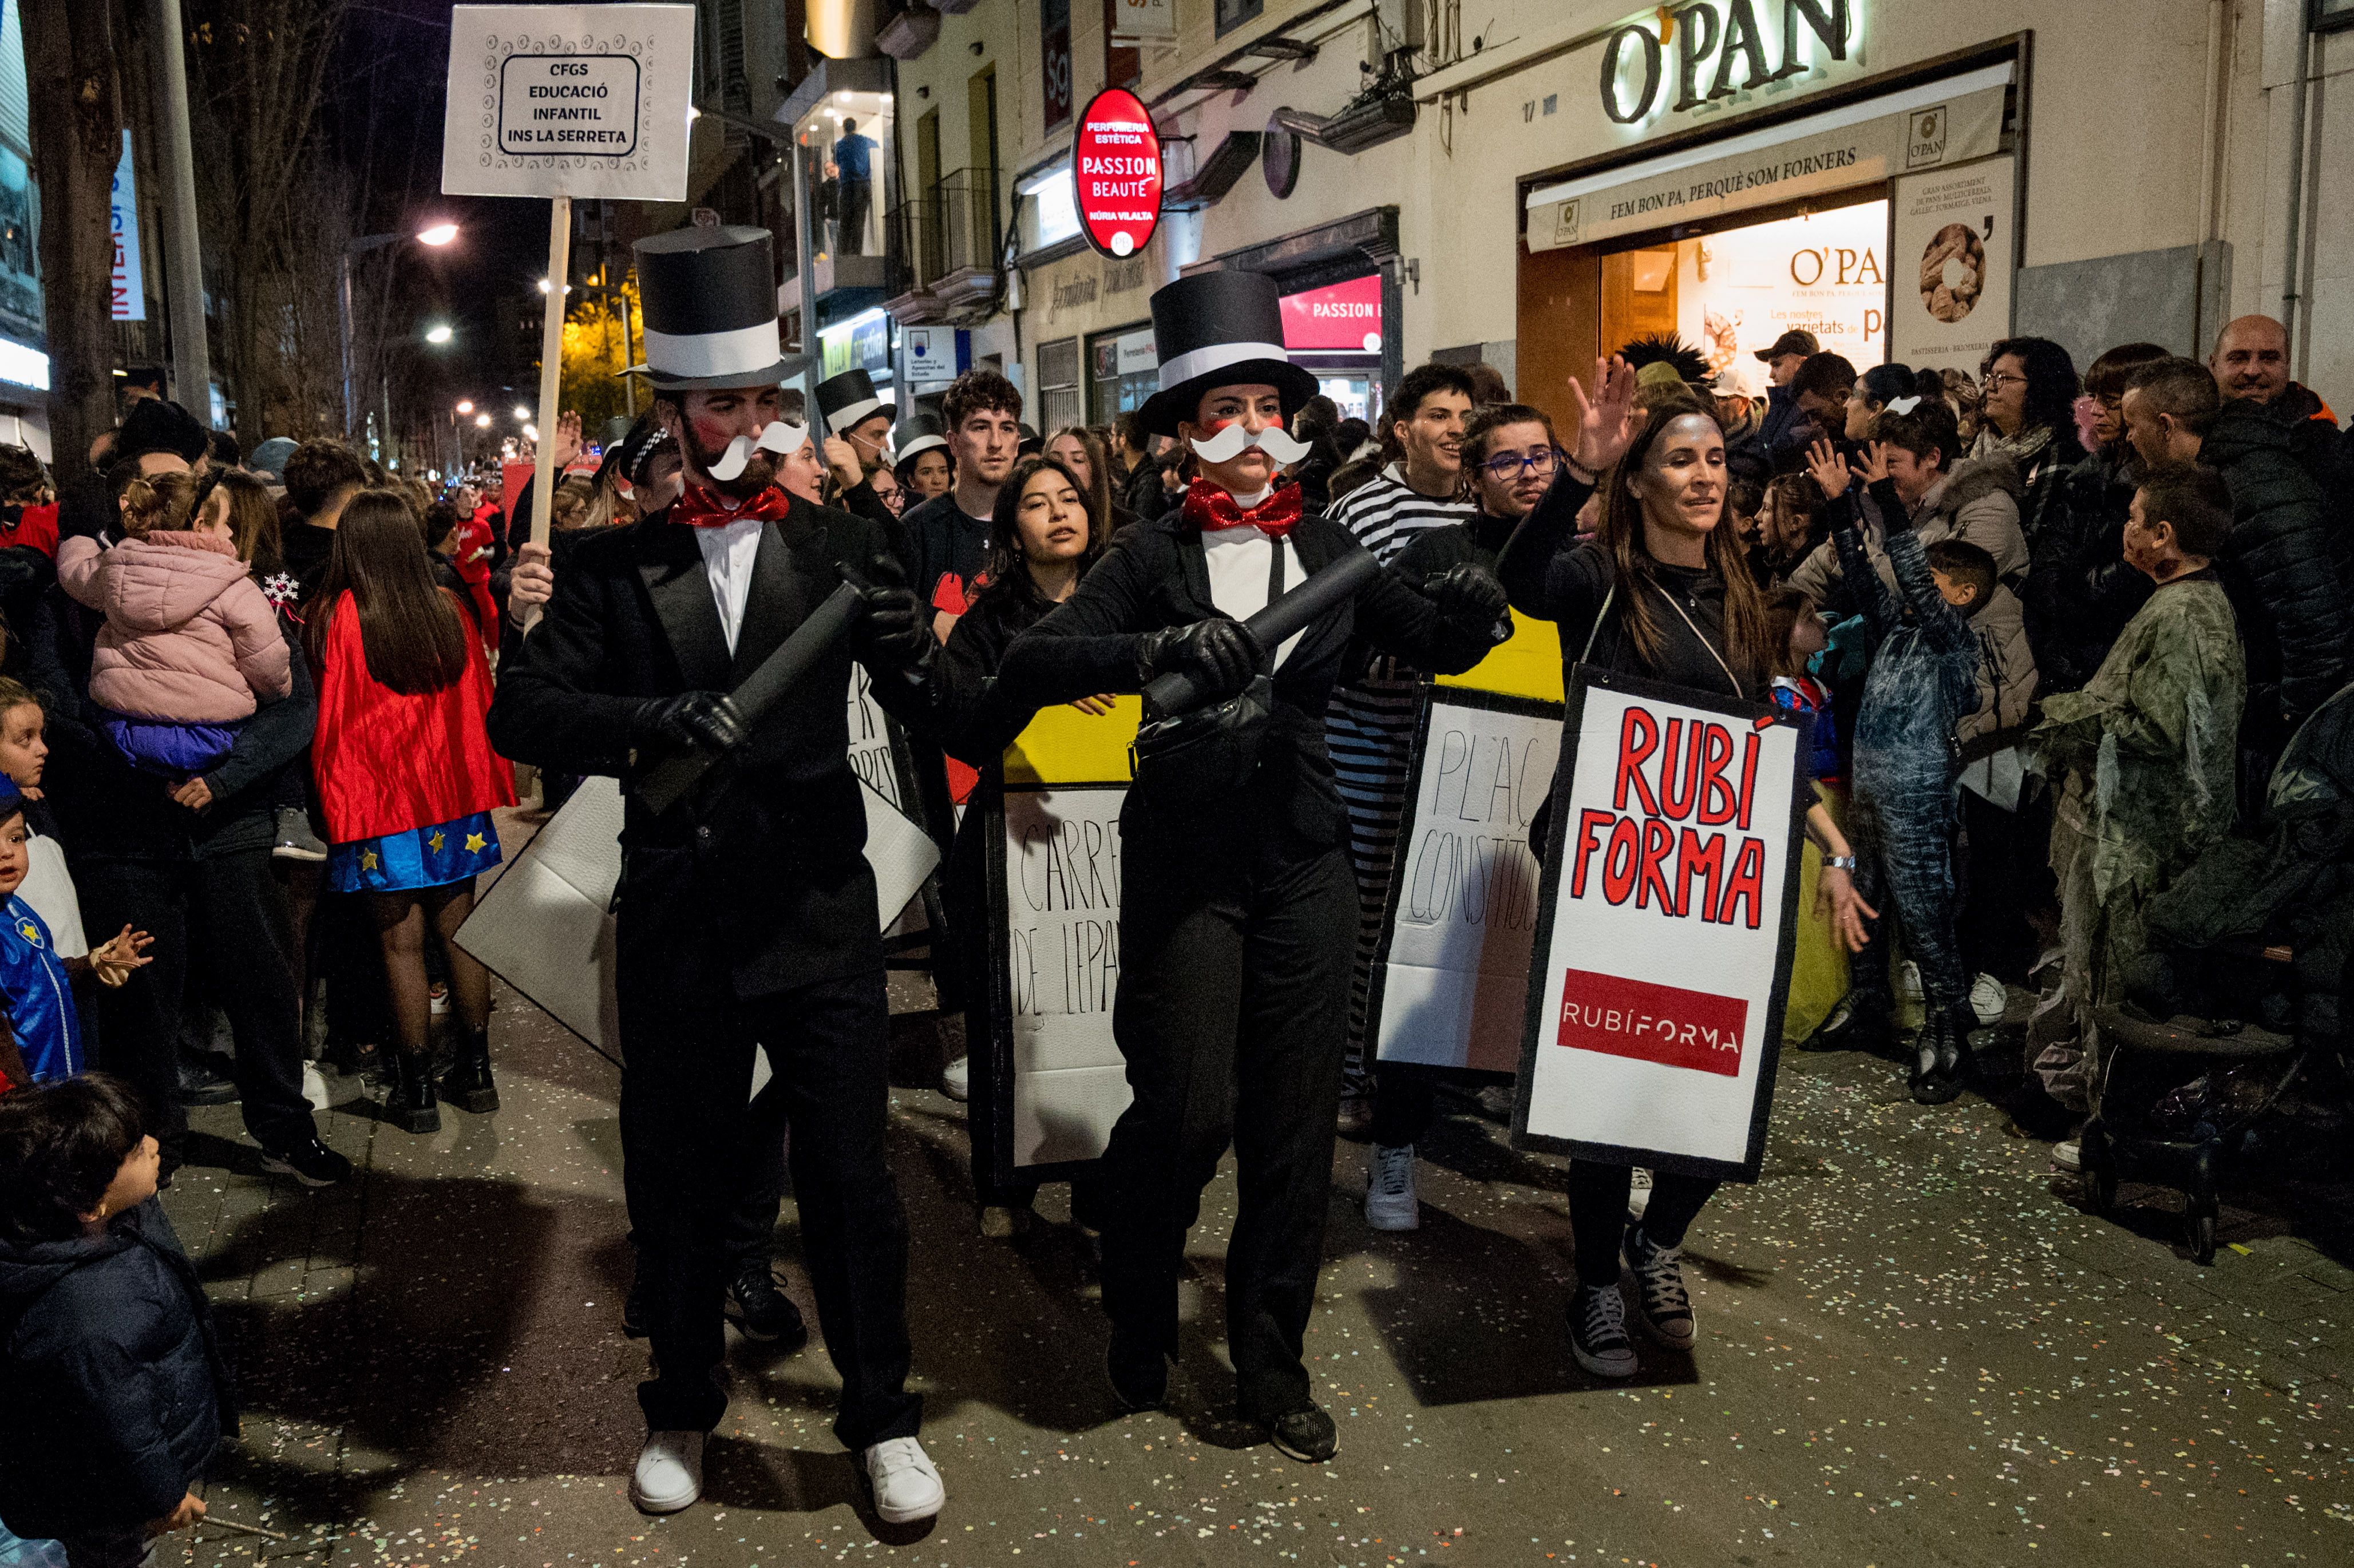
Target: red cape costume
[(387, 763)]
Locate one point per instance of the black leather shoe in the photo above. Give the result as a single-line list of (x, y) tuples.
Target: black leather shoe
[(1139, 1378), (1307, 1435), (1942, 1059), (202, 1084), (411, 1105), (1861, 1022), (313, 1163), (761, 1311), (468, 1081)]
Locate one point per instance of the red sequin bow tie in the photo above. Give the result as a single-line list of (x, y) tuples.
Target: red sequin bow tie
[(1210, 508), (700, 508)]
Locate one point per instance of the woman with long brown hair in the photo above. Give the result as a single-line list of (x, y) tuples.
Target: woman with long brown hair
[(1662, 592), (1081, 450), (407, 779)]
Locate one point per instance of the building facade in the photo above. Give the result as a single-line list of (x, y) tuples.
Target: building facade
[(1528, 183)]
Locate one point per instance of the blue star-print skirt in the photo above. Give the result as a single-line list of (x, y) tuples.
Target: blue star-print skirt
[(421, 857)]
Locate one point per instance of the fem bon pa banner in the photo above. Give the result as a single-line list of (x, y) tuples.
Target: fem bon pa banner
[(1664, 929)]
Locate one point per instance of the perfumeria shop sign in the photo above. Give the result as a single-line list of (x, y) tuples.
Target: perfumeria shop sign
[(1678, 59)]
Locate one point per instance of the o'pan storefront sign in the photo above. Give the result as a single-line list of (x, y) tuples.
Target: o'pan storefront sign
[(1923, 127)]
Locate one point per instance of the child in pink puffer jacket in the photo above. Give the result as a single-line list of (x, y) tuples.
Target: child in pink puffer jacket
[(190, 643)]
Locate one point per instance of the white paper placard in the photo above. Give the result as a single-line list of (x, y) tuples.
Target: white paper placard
[(1061, 859), (579, 101), (1452, 988), (1668, 912), (1950, 265), (545, 927)]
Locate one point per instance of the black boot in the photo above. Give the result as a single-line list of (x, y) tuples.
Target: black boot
[(1942, 1058), (411, 1105), (468, 1081)]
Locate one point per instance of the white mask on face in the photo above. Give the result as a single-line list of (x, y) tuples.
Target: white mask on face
[(776, 437), (1228, 444)]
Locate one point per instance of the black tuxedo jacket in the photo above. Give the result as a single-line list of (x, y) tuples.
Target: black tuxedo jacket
[(1154, 576), (766, 855)]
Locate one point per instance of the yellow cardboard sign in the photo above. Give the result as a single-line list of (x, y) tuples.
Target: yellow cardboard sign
[(1527, 666), (1064, 745)]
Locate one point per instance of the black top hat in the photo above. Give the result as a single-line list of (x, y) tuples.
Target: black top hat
[(1219, 329), (846, 398), (916, 433), (709, 299)]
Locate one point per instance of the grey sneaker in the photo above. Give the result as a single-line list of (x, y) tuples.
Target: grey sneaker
[(295, 839), (1597, 1332), (1661, 1303), (1391, 1201)]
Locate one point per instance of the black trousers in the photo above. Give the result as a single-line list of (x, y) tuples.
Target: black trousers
[(229, 915), (690, 1143), (1598, 1213), (850, 230), (1233, 1014)]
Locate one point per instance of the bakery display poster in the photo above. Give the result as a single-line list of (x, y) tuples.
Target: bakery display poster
[(1666, 926), (1951, 257)]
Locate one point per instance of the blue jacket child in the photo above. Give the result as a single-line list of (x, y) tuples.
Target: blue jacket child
[(1923, 683), (40, 1025), (114, 1393)]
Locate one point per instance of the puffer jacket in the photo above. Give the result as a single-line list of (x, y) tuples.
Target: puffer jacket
[(2005, 676), (189, 637), (2286, 573), (1978, 502), (114, 1393), (2080, 590)]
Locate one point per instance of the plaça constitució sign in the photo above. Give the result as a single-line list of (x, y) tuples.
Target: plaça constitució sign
[(580, 100), (1751, 44), (1115, 173), (1667, 920)]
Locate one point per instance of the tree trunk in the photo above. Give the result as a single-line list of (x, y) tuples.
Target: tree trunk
[(69, 48)]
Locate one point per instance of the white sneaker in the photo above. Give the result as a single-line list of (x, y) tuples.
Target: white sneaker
[(2069, 1154), (1989, 999), (1391, 1203), (1908, 982), (955, 1079), (669, 1476), (906, 1484)]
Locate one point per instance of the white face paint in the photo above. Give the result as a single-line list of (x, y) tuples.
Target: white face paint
[(776, 437), (1229, 443)]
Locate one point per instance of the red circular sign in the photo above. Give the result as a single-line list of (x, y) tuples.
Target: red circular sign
[(1115, 173)]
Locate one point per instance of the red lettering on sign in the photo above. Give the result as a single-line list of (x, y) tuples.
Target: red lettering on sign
[(1676, 1028), (1657, 840), (1638, 737), (1718, 801)]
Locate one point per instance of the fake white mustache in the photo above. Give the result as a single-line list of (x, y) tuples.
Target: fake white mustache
[(776, 437), (1227, 444)]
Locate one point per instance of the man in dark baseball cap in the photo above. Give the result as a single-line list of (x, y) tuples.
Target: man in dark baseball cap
[(1787, 353)]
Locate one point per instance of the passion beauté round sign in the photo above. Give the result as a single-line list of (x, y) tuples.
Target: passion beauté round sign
[(1115, 173)]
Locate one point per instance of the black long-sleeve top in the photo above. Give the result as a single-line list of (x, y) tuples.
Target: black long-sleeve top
[(1550, 576), (1155, 576)]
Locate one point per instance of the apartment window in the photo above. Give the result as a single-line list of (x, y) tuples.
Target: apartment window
[(1233, 14), (1058, 385)]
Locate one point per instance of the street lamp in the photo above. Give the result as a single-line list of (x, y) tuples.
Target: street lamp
[(435, 234), (466, 406), (439, 334), (482, 422), (522, 413)]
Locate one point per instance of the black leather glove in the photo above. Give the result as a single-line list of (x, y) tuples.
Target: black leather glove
[(1217, 653), (706, 719), (894, 627), (1469, 596)]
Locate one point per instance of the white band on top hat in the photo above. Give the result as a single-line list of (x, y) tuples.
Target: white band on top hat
[(841, 419), (1216, 356), (742, 351)]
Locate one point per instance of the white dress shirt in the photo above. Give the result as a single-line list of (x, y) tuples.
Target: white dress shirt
[(728, 553), (1238, 562)]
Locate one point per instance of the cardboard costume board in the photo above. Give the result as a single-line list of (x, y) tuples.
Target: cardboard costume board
[(1665, 929), (1450, 981), (1048, 1079), (545, 927)]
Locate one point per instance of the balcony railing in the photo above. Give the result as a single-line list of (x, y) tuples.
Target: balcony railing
[(951, 229)]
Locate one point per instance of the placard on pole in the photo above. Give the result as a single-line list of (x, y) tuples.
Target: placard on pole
[(562, 101)]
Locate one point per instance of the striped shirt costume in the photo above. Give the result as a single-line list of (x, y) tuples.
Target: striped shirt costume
[(1369, 729)]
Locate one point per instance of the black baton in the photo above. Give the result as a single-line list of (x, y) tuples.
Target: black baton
[(1291, 612), (668, 781)]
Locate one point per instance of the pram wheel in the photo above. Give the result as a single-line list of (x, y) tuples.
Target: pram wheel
[(2201, 1208)]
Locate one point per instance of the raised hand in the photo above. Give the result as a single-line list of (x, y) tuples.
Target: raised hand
[(567, 438), (1871, 465), (843, 458), (1823, 462), (1605, 414), (112, 961)]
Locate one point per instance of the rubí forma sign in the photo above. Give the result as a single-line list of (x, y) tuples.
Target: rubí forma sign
[(1115, 173)]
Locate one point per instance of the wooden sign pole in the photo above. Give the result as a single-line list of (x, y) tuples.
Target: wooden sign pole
[(551, 363)]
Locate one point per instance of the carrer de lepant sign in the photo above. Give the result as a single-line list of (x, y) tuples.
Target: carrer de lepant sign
[(581, 100)]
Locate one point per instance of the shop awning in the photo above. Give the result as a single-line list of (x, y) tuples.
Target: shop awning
[(1924, 127)]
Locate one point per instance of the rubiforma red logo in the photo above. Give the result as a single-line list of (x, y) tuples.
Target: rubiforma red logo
[(1663, 1023)]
